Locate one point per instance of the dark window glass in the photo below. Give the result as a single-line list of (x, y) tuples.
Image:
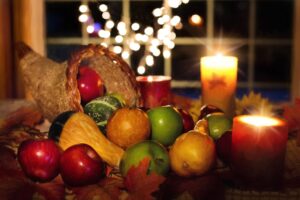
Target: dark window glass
[(185, 12), (156, 69), (60, 53), (274, 18), (186, 62), (115, 10), (242, 55), (273, 63), (141, 12), (231, 18), (62, 19)]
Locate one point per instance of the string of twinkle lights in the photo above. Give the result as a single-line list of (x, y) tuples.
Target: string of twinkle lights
[(157, 42)]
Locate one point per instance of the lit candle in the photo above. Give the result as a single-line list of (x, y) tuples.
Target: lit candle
[(258, 150), (155, 90), (218, 82)]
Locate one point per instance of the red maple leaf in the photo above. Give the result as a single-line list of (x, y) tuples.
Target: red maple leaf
[(141, 185)]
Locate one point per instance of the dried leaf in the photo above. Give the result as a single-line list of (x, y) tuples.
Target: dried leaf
[(107, 189), (139, 184), (26, 116)]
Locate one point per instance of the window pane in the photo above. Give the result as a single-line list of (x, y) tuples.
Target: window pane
[(242, 55), (273, 63), (186, 62), (156, 69), (60, 53), (115, 10), (185, 12), (274, 18), (62, 19), (141, 12), (231, 18)]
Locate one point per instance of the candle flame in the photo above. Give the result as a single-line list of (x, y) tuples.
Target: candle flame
[(259, 121)]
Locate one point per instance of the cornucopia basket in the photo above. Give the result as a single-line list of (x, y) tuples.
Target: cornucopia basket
[(54, 85)]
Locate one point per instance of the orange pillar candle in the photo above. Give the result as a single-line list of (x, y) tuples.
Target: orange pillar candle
[(258, 150), (218, 82), (155, 90)]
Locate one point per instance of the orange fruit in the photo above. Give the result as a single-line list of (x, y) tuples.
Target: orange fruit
[(128, 126), (192, 154)]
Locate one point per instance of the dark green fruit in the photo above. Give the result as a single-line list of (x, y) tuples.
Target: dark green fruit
[(218, 124), (101, 109)]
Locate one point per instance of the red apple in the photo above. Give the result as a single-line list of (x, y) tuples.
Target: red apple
[(89, 84), (39, 159), (188, 122), (81, 165)]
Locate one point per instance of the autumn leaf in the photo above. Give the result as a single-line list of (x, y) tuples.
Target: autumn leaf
[(140, 184), (26, 116), (107, 189)]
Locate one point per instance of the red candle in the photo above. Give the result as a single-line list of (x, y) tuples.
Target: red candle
[(258, 150), (155, 90)]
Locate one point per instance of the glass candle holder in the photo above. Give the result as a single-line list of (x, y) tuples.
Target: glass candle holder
[(218, 82), (258, 150), (155, 90)]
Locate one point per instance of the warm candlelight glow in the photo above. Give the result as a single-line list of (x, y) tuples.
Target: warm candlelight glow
[(260, 120), (218, 82), (258, 146)]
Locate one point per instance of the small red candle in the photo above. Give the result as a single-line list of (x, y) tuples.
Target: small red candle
[(258, 150), (155, 90)]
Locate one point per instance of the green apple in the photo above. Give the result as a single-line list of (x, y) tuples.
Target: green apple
[(218, 124), (157, 153), (166, 124)]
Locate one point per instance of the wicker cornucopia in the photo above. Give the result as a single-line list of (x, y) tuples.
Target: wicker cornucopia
[(54, 85)]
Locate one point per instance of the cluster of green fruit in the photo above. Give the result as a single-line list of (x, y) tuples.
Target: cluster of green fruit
[(123, 137)]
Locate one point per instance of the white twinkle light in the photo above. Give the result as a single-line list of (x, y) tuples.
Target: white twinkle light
[(83, 8), (167, 53), (103, 8), (174, 3), (117, 49), (90, 29), (149, 30), (125, 54), (155, 52), (149, 60), (135, 26), (175, 20), (185, 1), (83, 18), (157, 12), (119, 39), (104, 34), (141, 69), (134, 46), (106, 15), (166, 18), (110, 24)]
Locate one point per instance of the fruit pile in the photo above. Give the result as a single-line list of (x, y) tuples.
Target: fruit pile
[(81, 146)]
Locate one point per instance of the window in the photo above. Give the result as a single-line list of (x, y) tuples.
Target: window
[(258, 32)]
